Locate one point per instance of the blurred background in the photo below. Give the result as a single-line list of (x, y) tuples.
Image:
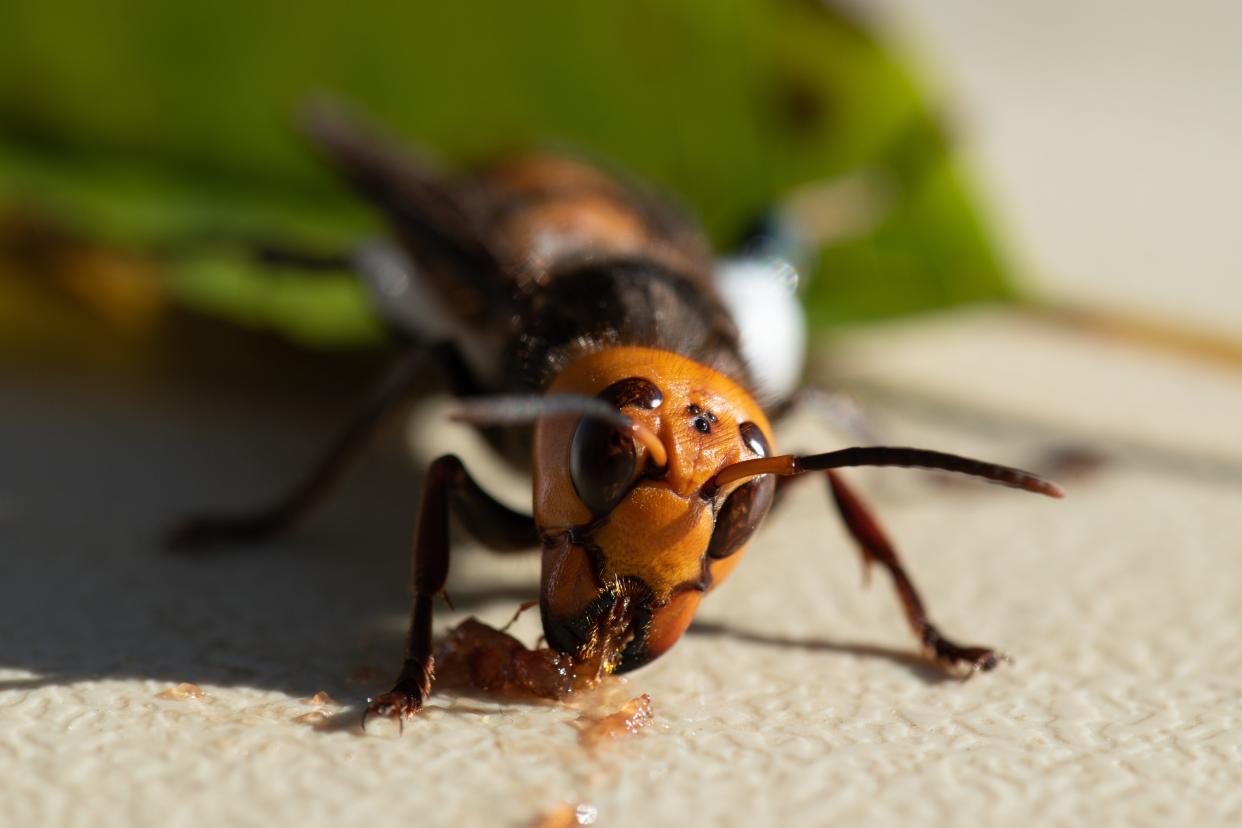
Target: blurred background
[(156, 141), (1047, 154)]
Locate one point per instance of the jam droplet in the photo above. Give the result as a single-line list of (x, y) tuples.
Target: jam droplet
[(184, 690), (633, 716)]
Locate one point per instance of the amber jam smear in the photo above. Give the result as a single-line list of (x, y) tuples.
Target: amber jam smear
[(477, 656)]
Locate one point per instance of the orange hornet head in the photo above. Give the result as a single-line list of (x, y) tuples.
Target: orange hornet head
[(633, 535)]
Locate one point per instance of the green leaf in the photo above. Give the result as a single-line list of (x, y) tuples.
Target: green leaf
[(147, 123)]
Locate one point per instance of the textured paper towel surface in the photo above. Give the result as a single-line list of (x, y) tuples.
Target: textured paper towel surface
[(799, 696)]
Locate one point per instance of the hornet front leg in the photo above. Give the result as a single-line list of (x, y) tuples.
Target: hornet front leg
[(447, 488), (876, 548)]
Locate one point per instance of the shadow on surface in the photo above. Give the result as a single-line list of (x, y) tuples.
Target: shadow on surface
[(924, 670), (93, 474)]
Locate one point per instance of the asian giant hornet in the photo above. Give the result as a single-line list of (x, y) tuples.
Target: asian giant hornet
[(586, 328)]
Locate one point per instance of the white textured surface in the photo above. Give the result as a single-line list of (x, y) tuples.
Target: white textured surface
[(797, 699)]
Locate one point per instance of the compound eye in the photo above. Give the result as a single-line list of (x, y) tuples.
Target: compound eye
[(603, 464)]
